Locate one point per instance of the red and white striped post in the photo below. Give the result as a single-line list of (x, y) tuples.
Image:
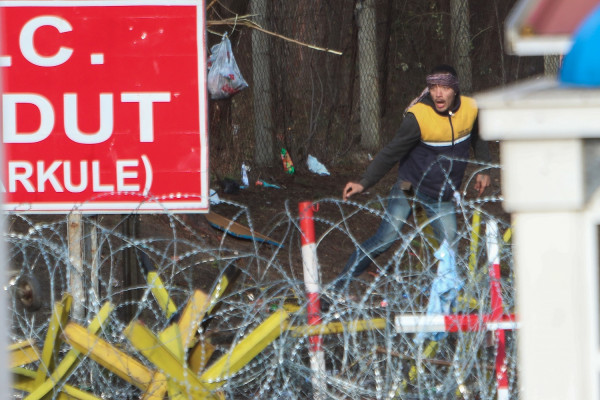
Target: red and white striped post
[(313, 289), (411, 323), (493, 241)]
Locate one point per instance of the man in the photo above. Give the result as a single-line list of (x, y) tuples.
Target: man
[(431, 147)]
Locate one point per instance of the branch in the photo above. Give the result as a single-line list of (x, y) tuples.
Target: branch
[(243, 20)]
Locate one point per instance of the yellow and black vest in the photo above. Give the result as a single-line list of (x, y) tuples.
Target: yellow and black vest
[(437, 164)]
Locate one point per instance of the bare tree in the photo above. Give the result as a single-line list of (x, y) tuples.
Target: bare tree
[(370, 112), (461, 43), (261, 70)]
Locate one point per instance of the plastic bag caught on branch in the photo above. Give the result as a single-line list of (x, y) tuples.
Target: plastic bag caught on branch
[(224, 77)]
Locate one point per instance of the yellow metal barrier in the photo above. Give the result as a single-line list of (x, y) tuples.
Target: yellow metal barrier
[(70, 360), (22, 353), (118, 362), (179, 353), (255, 342)]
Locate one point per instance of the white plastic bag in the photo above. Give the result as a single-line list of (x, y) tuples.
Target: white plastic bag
[(316, 166), (214, 197), (224, 77)]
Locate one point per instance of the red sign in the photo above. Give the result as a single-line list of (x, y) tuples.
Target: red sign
[(104, 106)]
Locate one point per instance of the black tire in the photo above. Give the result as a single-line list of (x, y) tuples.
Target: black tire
[(27, 291)]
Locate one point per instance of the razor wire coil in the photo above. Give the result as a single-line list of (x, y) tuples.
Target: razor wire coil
[(376, 361)]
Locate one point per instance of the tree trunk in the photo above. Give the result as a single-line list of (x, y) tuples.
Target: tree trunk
[(368, 75), (261, 74), (461, 43)]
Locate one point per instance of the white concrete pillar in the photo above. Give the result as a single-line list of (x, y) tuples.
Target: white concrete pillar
[(552, 305), (542, 175), (549, 154)]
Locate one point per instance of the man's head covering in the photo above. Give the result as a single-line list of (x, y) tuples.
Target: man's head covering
[(443, 79), (444, 75)]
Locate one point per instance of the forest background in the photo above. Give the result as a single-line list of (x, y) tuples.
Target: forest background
[(331, 78)]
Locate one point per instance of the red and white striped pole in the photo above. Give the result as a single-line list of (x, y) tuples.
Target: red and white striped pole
[(493, 246), (313, 289), (410, 323)]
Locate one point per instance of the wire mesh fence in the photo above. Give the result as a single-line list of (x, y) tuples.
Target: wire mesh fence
[(331, 78), (153, 306), (196, 317)]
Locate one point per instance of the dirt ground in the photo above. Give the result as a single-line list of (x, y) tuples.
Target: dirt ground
[(264, 208), (272, 212)]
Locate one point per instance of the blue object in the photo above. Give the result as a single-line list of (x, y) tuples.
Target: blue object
[(262, 183), (444, 289), (238, 230), (581, 66)]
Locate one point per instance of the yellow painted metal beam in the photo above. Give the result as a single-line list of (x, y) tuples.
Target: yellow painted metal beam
[(188, 324), (24, 379), (157, 388), (507, 235), (291, 308), (338, 327), (426, 227), (118, 362), (472, 302), (429, 351), (475, 228), (72, 358), (255, 342), (200, 354), (227, 279), (22, 353), (58, 320), (192, 316), (151, 347), (467, 302), (161, 294), (171, 339)]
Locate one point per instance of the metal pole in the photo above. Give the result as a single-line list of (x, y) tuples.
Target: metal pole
[(313, 288), (92, 258), (493, 241), (131, 271), (75, 239), (4, 375)]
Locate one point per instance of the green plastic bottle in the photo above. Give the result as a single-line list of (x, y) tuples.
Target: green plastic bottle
[(288, 165)]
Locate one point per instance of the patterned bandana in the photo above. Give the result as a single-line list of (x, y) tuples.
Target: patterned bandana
[(443, 80)]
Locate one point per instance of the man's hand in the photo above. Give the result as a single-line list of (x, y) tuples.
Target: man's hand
[(352, 188), (482, 181)]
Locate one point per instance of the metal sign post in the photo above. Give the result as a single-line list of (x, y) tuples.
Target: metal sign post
[(75, 271)]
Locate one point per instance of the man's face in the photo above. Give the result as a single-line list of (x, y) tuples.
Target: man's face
[(442, 96)]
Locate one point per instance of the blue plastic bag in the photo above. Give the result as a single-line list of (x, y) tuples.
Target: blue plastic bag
[(444, 289)]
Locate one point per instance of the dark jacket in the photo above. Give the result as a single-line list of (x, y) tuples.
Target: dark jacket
[(431, 148)]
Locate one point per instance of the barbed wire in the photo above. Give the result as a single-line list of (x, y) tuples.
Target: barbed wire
[(255, 325)]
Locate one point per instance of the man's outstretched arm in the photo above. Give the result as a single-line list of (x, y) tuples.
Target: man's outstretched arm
[(352, 188)]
